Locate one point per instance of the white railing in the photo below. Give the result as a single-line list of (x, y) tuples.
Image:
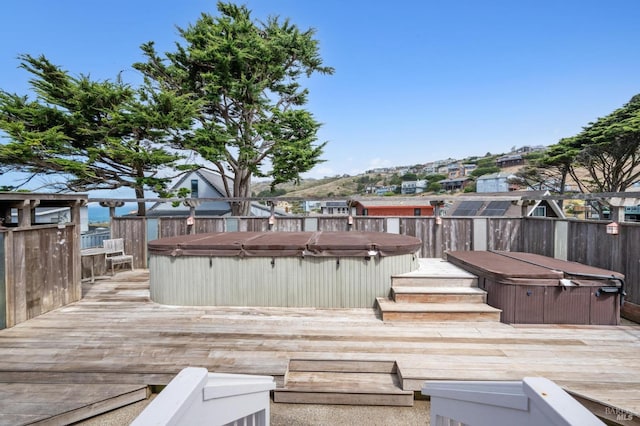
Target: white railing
[(532, 402), (94, 239), (197, 397)]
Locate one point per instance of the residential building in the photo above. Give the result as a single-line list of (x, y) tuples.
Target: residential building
[(45, 215), (414, 187), (510, 160), (468, 168), (338, 207), (457, 184), (494, 182), (206, 185), (393, 207)]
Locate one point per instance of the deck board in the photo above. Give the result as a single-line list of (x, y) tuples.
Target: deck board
[(115, 335)]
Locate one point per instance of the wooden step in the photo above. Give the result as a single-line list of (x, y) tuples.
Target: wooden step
[(342, 366), (436, 312), (409, 280), (344, 382), (435, 272), (421, 294)]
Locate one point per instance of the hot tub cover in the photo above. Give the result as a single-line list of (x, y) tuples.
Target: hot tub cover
[(280, 244), (528, 268)]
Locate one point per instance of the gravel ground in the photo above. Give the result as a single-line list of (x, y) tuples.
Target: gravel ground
[(312, 415), (302, 415)]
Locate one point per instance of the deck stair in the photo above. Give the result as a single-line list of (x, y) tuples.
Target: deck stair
[(437, 291), (345, 382)]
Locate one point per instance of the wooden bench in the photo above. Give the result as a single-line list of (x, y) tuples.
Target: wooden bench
[(115, 255)]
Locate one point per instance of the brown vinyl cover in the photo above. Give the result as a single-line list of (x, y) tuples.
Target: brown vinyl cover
[(281, 244), (569, 268), (501, 267), (519, 268)]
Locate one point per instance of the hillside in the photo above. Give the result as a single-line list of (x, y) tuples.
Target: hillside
[(342, 186), (328, 187)]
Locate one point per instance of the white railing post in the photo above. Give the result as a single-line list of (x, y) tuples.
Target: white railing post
[(533, 401), (197, 397)]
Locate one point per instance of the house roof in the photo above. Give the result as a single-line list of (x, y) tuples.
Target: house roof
[(460, 179), (507, 205), (207, 208), (214, 180), (418, 202)]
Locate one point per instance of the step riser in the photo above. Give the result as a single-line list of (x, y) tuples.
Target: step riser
[(343, 398), (441, 316), (343, 366), (433, 282), (439, 298)]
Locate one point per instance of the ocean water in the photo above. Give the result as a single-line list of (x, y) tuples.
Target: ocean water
[(99, 214)]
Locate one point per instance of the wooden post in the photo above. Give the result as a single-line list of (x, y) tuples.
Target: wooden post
[(191, 220), (112, 211), (24, 214), (76, 274)]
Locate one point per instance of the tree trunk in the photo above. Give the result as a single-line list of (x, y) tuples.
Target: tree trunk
[(142, 207), (241, 189)]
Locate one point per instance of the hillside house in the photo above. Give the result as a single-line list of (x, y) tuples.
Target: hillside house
[(457, 184), (414, 187), (495, 182), (205, 184), (382, 190), (510, 160), (468, 168), (393, 207), (454, 170), (337, 207)]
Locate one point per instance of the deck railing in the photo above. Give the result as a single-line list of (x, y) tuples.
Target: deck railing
[(197, 397), (533, 401), (94, 239)]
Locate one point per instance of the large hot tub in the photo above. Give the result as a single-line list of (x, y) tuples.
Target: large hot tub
[(285, 269), (535, 289)]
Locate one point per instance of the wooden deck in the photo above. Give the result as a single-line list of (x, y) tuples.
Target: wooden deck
[(116, 336)]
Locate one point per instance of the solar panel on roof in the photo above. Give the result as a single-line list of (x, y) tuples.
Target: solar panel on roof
[(467, 208), (496, 208)]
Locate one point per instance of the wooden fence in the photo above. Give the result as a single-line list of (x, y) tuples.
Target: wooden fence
[(576, 240), (41, 270)]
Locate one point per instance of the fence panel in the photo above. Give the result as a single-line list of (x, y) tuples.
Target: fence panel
[(333, 223), (537, 235), (32, 291), (172, 227), (209, 224), (504, 234), (457, 234), (590, 244), (369, 224), (287, 224), (423, 229), (134, 232), (629, 256)]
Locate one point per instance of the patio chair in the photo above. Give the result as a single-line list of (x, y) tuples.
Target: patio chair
[(114, 252)]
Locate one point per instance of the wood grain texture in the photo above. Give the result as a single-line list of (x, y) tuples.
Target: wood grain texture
[(116, 335)]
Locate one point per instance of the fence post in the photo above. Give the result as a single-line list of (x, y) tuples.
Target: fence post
[(479, 241), (561, 239)]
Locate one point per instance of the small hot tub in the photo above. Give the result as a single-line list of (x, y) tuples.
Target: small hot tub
[(280, 269), (535, 289)]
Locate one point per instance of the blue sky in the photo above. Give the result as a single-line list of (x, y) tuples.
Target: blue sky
[(415, 81)]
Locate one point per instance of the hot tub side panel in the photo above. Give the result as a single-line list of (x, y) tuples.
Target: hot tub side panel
[(531, 295), (323, 282)]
